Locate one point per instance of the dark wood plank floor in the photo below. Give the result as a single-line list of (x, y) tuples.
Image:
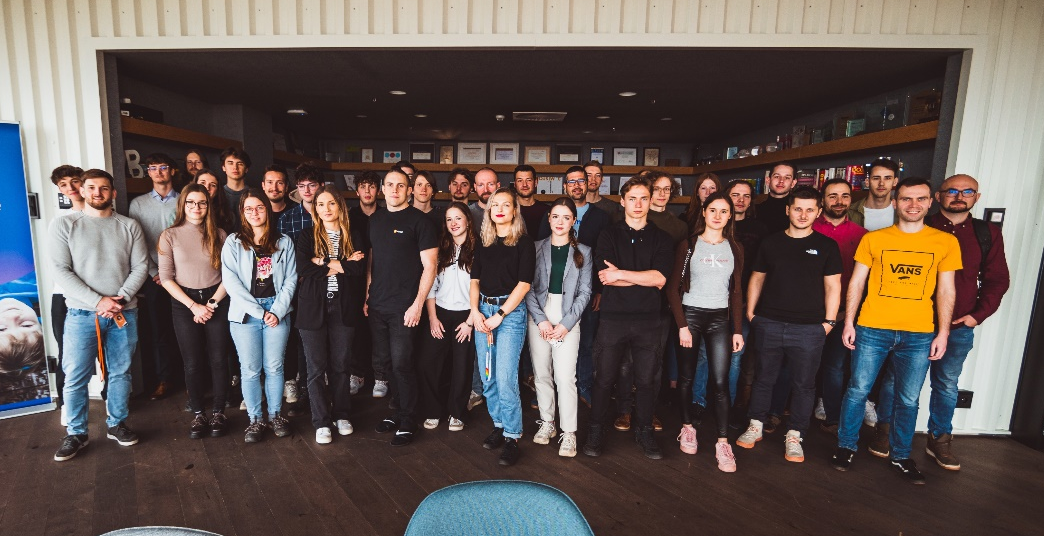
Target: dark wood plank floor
[(360, 485)]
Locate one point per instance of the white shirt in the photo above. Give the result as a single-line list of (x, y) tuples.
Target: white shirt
[(452, 287), (878, 218)]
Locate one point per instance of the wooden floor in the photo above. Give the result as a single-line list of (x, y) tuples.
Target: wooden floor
[(361, 485)]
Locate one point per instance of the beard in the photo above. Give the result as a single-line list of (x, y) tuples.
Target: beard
[(960, 209), (835, 213), (100, 205)]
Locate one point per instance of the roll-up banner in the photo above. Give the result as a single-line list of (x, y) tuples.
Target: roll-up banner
[(24, 384)]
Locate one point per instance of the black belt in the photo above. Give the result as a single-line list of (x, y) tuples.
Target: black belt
[(495, 301), (200, 295)]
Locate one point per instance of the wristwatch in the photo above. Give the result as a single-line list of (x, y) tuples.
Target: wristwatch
[(830, 323), (501, 313), (212, 303)]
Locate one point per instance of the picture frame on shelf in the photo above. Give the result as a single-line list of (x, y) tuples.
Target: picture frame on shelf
[(471, 153), (538, 154), (598, 154), (625, 156), (366, 155), (391, 157), (446, 154), (620, 184), (423, 153), (503, 153), (651, 157), (568, 154)]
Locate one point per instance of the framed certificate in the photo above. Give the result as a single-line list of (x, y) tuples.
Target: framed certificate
[(598, 154), (446, 154), (391, 157), (568, 154), (625, 156), (503, 153), (538, 154), (471, 153), (651, 157), (422, 152)]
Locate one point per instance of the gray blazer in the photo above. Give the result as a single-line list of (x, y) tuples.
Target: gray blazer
[(576, 285)]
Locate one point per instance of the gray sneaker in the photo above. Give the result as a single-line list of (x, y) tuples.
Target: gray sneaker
[(355, 383), (380, 388), (545, 433)]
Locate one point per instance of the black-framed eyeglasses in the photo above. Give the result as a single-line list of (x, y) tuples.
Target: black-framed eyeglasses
[(200, 204), (576, 181), (158, 168), (967, 192)]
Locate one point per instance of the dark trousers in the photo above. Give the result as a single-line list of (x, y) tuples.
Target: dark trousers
[(393, 344), (710, 326), (328, 351), (643, 339), (58, 311), (362, 349), (802, 347), (445, 361), (625, 383), (204, 345), (161, 330)]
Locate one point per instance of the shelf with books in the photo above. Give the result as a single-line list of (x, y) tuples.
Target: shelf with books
[(290, 158)]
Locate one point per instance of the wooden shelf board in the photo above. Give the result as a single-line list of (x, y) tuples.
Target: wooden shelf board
[(159, 131)]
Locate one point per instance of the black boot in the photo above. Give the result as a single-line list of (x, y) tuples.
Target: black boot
[(494, 440), (644, 437), (509, 456), (595, 441)]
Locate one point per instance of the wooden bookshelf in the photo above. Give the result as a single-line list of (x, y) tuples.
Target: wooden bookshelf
[(160, 131)]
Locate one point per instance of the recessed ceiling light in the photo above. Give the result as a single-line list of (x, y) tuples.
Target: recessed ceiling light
[(588, 131), (397, 92), (627, 93), (665, 119), (361, 116), (297, 111), (420, 115), (602, 117)]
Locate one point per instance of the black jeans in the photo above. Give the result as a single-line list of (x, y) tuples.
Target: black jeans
[(393, 344), (643, 339), (58, 312), (710, 326), (362, 349), (202, 345), (160, 323), (433, 369), (328, 351), (801, 345)]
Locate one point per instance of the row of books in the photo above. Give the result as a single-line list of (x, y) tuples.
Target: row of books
[(855, 175)]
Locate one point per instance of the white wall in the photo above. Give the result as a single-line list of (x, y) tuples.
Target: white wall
[(50, 81)]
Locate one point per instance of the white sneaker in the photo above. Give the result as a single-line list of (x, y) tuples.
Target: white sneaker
[(545, 433), (568, 448), (355, 383), (344, 427), (380, 388), (455, 424), (793, 447), (870, 414), (431, 424), (820, 410), (290, 391), (323, 436), (63, 417), (751, 436)]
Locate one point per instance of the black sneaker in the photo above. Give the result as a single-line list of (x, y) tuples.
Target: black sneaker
[(842, 458), (387, 425), (280, 426), (494, 440), (200, 426), (646, 441), (122, 435), (401, 438), (254, 432), (70, 446), (509, 456), (908, 469), (218, 424), (595, 441)]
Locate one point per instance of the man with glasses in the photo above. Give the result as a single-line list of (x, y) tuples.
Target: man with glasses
[(533, 212), (235, 162), (980, 286), (274, 186), (877, 210), (593, 173), (155, 212)]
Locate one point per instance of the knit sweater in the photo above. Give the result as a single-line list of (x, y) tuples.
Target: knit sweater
[(154, 216), (184, 260), (97, 258)]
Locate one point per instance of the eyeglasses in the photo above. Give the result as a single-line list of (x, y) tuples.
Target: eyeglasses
[(664, 189), (158, 168), (254, 210), (967, 192), (307, 185), (576, 181), (200, 204)]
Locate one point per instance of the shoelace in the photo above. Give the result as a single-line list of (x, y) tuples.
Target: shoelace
[(793, 442), (546, 427), (685, 434), (752, 429), (726, 451), (568, 441)]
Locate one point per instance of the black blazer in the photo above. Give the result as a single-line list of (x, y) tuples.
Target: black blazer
[(311, 286)]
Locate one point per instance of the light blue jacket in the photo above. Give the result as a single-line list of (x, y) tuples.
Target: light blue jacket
[(237, 271), (576, 285)]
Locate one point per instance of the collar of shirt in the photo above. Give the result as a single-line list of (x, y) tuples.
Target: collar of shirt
[(173, 194), (941, 222)]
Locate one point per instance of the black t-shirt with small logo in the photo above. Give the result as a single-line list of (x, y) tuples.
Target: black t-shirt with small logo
[(794, 270), (396, 239)]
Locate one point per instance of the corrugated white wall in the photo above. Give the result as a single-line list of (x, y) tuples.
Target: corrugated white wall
[(49, 81)]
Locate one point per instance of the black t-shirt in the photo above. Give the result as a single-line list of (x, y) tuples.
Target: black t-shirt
[(396, 239), (749, 232), (795, 268), (773, 213), (437, 215), (534, 215), (499, 267), (262, 286)]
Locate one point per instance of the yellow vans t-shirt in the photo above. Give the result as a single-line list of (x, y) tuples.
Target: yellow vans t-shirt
[(904, 268)]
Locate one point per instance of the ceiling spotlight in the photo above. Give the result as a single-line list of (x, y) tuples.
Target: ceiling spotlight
[(297, 111), (361, 116), (422, 116), (397, 92), (602, 117), (627, 93), (665, 119), (588, 131)]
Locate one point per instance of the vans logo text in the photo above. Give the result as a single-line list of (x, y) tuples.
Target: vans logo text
[(906, 269)]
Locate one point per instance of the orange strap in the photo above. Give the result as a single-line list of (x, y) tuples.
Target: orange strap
[(101, 345)]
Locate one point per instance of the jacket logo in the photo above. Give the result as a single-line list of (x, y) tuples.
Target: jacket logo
[(812, 251)]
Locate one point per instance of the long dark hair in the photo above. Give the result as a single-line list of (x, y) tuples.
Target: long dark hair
[(447, 247), (270, 239), (218, 202), (728, 232), (695, 208), (578, 256), (211, 237)]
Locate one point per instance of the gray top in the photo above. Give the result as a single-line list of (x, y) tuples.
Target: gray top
[(576, 285), (452, 287), (154, 215), (98, 257), (711, 270)]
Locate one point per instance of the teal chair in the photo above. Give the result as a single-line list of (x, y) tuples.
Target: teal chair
[(515, 507), (159, 531)]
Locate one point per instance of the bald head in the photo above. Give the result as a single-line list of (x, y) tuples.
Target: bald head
[(958, 194)]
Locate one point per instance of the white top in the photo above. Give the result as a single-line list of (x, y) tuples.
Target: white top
[(452, 287), (878, 218)]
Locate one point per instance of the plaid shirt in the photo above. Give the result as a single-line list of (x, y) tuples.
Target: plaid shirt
[(293, 221)]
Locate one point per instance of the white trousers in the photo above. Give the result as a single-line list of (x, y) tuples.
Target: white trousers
[(555, 367)]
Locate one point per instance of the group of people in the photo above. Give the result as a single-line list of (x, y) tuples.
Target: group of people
[(586, 299)]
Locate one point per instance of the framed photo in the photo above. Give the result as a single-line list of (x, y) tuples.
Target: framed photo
[(422, 152), (598, 154), (568, 154), (620, 184), (471, 153), (367, 155), (391, 157), (651, 157), (446, 154), (503, 153), (625, 156), (538, 154)]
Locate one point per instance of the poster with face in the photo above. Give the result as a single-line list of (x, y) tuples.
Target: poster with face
[(23, 366)]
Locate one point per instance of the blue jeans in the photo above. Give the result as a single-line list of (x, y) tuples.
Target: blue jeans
[(909, 352), (585, 357), (501, 388), (699, 387), (80, 346), (835, 360), (261, 347), (943, 375)]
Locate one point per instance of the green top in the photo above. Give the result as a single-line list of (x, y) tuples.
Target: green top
[(559, 256)]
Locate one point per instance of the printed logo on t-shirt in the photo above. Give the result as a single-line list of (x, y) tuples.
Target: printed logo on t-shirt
[(715, 260), (904, 274), (812, 251), (396, 231)]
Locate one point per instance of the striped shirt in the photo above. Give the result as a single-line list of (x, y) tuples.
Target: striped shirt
[(335, 250)]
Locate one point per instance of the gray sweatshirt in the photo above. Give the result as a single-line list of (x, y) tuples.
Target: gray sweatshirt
[(98, 257), (154, 216)]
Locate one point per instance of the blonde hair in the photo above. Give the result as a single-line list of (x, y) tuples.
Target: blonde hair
[(322, 240), (489, 229)]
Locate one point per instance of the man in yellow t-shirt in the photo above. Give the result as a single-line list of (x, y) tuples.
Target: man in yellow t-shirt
[(907, 271)]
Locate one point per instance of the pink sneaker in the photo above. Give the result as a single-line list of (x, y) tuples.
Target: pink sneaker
[(726, 461), (687, 437)]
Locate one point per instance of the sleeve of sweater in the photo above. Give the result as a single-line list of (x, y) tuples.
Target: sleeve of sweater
[(139, 261), (74, 287)]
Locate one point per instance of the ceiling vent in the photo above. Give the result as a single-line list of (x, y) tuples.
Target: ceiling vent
[(544, 117)]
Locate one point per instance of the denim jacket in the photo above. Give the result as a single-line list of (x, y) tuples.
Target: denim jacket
[(237, 269)]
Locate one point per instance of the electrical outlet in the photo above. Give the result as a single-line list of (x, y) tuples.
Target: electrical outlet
[(964, 398)]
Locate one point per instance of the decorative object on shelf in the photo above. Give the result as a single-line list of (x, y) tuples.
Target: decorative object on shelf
[(854, 126), (731, 153), (651, 157), (391, 157), (471, 153), (367, 155), (349, 182), (446, 154), (924, 106), (568, 154), (598, 154), (625, 156), (623, 180), (422, 153), (538, 154), (503, 153)]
